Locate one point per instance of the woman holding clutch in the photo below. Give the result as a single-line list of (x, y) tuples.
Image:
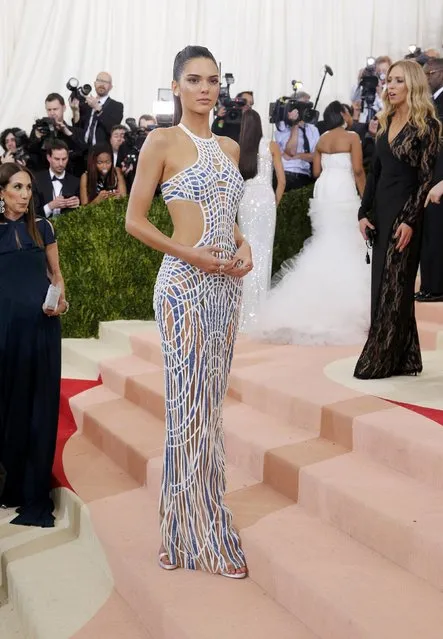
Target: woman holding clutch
[(30, 351)]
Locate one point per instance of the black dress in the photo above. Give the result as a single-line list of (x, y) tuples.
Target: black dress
[(30, 369), (395, 191)]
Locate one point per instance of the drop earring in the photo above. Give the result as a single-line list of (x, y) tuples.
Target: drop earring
[(2, 206)]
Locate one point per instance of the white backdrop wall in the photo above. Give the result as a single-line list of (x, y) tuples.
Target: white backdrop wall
[(265, 43)]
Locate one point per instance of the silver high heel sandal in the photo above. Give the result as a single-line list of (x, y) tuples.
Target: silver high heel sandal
[(162, 563)]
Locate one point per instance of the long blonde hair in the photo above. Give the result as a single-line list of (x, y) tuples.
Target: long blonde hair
[(420, 107)]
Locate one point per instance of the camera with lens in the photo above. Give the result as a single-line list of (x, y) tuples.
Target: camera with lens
[(78, 92), (280, 109), (21, 142), (134, 139), (368, 83), (234, 109), (233, 106), (416, 53), (46, 127)]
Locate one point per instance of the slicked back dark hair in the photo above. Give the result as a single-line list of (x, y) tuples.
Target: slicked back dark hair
[(188, 53)]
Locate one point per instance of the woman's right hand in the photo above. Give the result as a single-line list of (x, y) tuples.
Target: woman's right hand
[(364, 224), (205, 258)]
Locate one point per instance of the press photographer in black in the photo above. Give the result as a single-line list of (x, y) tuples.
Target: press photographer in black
[(96, 115), (51, 127), (134, 138), (228, 119)]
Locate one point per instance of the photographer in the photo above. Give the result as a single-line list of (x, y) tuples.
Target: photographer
[(14, 142), (97, 115), (46, 130), (379, 70), (130, 149), (147, 122), (223, 125), (297, 142), (117, 142)]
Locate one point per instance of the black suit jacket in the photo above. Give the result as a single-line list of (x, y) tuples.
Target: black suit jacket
[(43, 191), (75, 143), (110, 115), (438, 171)]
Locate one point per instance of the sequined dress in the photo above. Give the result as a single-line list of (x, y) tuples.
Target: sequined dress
[(256, 219), (197, 314)]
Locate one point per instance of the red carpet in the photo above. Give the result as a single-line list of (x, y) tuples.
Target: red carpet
[(431, 413), (66, 425)]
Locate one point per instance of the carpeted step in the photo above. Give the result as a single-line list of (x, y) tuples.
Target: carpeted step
[(119, 332), (431, 334), (181, 604), (383, 509), (337, 587), (403, 440), (429, 312), (86, 354)]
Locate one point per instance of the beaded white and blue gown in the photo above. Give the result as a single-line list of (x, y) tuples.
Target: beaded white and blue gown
[(256, 220), (198, 314)]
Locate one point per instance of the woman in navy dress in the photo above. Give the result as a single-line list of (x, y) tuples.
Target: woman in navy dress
[(30, 351)]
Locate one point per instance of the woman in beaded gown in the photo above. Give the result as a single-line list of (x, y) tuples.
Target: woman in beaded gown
[(393, 202), (257, 212), (197, 305)]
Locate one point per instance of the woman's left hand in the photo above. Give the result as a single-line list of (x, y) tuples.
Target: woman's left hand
[(403, 234), (241, 262), (61, 308)]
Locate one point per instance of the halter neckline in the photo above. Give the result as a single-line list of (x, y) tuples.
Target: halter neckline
[(186, 130)]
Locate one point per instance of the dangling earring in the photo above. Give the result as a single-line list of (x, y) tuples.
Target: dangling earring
[(2, 206)]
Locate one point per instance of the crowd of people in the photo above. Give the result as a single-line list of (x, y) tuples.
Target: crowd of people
[(222, 200), (81, 163)]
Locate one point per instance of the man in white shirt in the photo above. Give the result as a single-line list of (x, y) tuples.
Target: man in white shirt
[(57, 190), (297, 145), (98, 114)]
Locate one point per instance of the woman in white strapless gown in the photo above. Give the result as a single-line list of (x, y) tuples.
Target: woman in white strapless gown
[(323, 294), (257, 211)]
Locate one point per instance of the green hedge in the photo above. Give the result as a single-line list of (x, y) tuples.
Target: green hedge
[(109, 275)]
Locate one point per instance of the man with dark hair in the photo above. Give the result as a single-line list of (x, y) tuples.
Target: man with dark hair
[(56, 189), (431, 257), (117, 142), (56, 129), (232, 129), (97, 115), (146, 121)]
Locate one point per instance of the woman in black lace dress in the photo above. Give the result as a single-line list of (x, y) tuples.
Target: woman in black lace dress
[(393, 203)]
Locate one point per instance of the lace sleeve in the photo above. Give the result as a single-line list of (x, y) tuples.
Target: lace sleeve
[(371, 185), (429, 147)]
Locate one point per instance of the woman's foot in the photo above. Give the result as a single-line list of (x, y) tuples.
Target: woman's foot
[(164, 561), (235, 573)]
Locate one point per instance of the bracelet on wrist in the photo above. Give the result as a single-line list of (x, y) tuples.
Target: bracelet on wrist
[(66, 309)]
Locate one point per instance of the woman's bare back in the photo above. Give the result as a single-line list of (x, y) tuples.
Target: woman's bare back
[(336, 141)]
